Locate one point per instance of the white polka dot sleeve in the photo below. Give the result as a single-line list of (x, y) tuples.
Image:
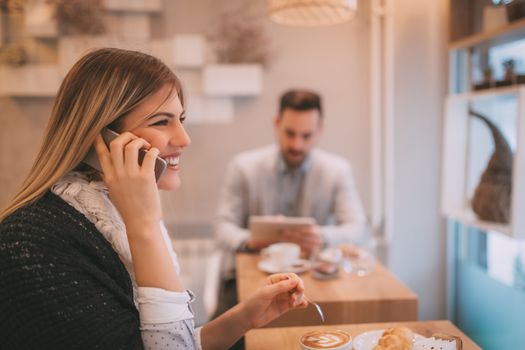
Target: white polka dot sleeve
[(166, 319)]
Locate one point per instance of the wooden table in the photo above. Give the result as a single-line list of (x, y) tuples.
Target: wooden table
[(288, 338), (377, 297)]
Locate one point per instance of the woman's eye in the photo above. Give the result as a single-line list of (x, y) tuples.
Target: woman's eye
[(160, 123)]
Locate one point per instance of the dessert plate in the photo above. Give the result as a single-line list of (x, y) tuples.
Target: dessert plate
[(367, 340), (299, 266)]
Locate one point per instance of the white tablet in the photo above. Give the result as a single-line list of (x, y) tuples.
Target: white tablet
[(269, 228)]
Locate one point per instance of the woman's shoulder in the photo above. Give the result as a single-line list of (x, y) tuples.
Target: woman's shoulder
[(54, 264), (50, 231), (49, 225), (49, 214)]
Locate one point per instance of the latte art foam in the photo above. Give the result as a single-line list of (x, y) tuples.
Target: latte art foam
[(325, 339)]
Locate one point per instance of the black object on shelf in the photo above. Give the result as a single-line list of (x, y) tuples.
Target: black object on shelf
[(520, 80), (483, 86), (516, 10), (492, 197), (500, 83)]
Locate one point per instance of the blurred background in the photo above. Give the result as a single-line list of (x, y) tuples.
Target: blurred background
[(397, 81)]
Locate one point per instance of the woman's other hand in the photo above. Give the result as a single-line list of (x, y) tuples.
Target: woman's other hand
[(282, 293)]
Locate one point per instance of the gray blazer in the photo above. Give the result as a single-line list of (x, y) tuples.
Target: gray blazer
[(329, 196)]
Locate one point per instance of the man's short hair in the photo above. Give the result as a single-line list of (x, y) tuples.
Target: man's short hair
[(300, 100)]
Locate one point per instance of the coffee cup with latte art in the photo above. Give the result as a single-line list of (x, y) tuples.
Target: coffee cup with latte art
[(329, 339)]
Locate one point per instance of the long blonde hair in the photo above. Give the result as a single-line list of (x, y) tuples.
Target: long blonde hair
[(101, 87)]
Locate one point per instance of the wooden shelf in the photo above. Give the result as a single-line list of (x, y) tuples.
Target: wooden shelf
[(489, 93), (133, 5), (29, 81), (469, 218), (241, 79), (464, 160), (512, 32), (465, 147)]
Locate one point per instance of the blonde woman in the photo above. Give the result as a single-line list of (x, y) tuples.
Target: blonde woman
[(85, 262)]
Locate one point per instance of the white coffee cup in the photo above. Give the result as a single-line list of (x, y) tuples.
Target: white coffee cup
[(281, 254), (330, 339)]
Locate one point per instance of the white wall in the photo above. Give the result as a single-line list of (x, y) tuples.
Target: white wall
[(417, 250), (333, 60)]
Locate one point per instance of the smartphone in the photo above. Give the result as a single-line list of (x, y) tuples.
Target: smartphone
[(109, 135)]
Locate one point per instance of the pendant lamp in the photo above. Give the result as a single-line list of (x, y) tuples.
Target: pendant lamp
[(311, 13)]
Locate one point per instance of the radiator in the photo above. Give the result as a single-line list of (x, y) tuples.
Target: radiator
[(199, 260)]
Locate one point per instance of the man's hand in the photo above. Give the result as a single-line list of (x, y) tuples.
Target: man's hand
[(257, 245), (309, 238)]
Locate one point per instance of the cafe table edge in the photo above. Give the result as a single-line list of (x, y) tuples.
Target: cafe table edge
[(287, 338)]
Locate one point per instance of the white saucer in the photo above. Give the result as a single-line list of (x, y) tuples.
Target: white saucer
[(368, 340), (300, 266)]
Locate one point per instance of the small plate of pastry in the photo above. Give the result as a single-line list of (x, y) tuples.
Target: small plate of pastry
[(403, 338)]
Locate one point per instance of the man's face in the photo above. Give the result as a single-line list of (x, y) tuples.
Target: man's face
[(297, 133)]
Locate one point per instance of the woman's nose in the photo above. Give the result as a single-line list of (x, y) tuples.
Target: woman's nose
[(180, 137)]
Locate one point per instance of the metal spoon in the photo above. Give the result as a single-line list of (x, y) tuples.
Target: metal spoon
[(317, 307)]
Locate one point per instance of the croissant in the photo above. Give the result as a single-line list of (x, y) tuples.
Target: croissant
[(397, 338)]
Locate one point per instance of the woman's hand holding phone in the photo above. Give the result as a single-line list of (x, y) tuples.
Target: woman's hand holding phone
[(133, 190), (132, 187)]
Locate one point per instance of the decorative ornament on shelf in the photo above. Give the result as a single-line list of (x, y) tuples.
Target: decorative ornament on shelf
[(14, 55), (241, 48), (488, 80), (12, 50), (12, 5), (515, 9), (80, 16), (491, 201), (311, 13), (509, 66), (239, 37), (488, 76)]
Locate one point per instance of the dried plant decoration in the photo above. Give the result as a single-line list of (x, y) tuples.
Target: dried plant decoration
[(14, 55), (240, 37), (12, 52), (80, 16), (492, 197), (4, 22), (12, 6), (8, 9)]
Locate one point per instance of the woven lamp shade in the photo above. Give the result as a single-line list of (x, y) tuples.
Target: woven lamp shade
[(311, 13)]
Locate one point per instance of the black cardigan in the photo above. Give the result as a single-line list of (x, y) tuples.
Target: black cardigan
[(62, 286)]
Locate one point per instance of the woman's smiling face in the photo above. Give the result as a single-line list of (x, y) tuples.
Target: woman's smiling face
[(159, 120)]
